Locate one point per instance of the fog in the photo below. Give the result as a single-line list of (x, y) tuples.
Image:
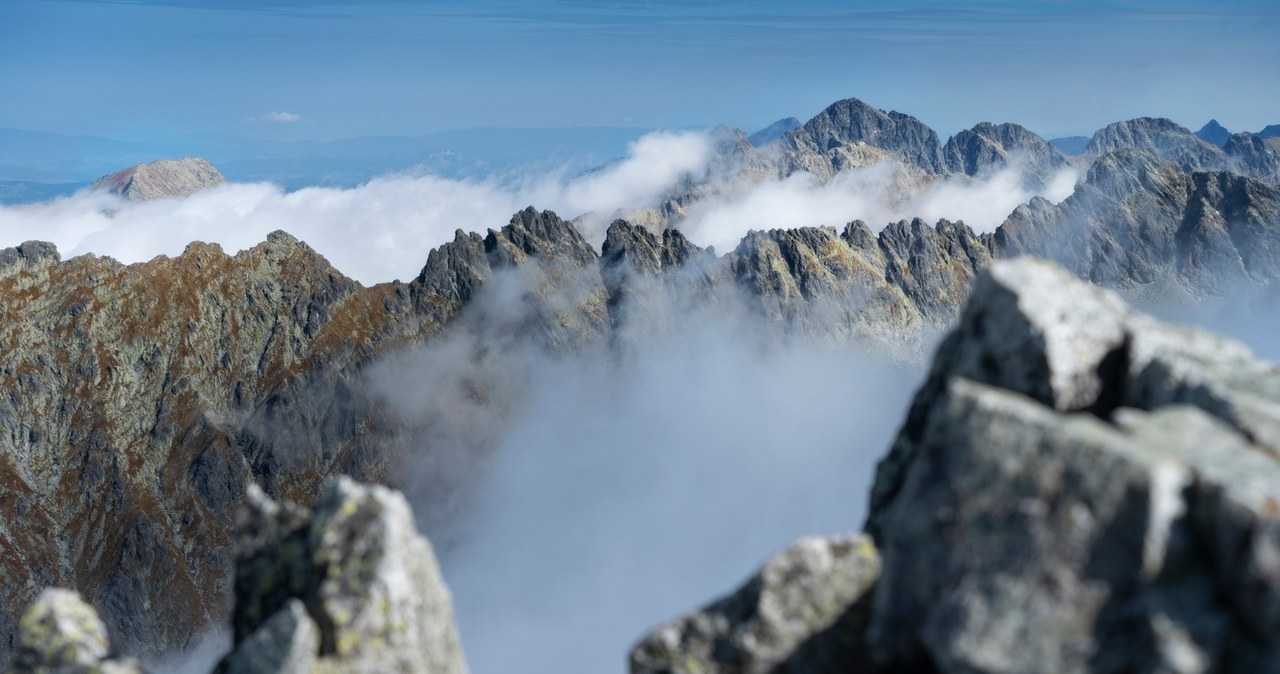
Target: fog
[(612, 488), (877, 195)]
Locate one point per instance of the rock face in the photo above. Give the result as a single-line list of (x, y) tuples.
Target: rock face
[(1255, 155), (1076, 488), (1213, 133), (61, 633), (1245, 154), (161, 179), (779, 620), (1162, 137), (850, 134), (347, 587), (1080, 488), (1137, 219), (988, 147)]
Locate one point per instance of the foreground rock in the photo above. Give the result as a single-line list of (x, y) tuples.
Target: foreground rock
[(1077, 488), (161, 179), (791, 616), (347, 587), (62, 634)]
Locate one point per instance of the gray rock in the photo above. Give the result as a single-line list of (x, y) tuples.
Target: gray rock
[(61, 634), (161, 179), (1162, 137), (987, 147), (1079, 488), (348, 587), (1254, 156), (797, 614), (830, 141), (1137, 218)]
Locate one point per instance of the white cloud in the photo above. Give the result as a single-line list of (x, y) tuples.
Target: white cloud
[(384, 229), (877, 194), (375, 232), (578, 499), (280, 117)]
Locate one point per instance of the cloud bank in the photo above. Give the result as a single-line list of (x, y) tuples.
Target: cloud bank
[(610, 489), (279, 117), (383, 229)]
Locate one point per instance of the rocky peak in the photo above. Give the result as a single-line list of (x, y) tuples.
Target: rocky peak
[(1213, 133), (1165, 138), (988, 147), (849, 123), (161, 179), (543, 235), (28, 256)]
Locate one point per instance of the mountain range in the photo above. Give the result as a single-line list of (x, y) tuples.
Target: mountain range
[(141, 402)]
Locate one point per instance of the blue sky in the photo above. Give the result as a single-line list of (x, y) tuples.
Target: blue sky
[(140, 69)]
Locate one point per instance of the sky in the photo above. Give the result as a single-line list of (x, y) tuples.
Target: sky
[(307, 69)]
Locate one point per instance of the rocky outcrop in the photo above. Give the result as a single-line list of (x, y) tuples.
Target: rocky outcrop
[(1079, 488), (774, 132), (1213, 133), (989, 147), (850, 134), (161, 179), (1076, 488), (347, 587), (62, 634), (792, 616)]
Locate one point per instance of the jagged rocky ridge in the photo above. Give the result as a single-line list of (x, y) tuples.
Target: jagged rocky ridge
[(1243, 153), (1076, 488), (143, 399)]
